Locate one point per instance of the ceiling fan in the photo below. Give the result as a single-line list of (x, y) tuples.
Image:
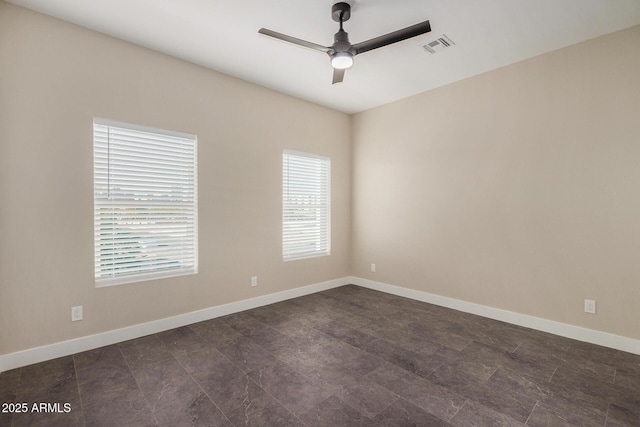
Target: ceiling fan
[(342, 51)]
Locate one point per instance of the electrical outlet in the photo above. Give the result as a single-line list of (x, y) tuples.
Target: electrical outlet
[(76, 313), (590, 306), (254, 281), (373, 268)]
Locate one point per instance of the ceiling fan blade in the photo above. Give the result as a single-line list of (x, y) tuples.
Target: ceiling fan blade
[(394, 37), (338, 75), (293, 40)]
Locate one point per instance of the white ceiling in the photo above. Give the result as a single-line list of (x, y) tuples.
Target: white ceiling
[(223, 35)]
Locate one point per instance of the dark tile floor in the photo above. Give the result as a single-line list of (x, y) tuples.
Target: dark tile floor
[(348, 356)]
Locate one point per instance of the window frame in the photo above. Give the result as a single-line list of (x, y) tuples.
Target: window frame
[(323, 242), (167, 233)]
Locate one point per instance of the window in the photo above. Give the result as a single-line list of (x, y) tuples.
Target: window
[(145, 203), (305, 205)]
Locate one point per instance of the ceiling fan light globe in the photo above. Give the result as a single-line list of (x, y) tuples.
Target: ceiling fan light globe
[(342, 60)]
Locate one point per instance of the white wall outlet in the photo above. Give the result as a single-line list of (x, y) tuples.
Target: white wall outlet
[(76, 313), (590, 306), (254, 281), (373, 268)]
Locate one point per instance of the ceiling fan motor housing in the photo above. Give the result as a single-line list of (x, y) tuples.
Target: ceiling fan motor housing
[(341, 43)]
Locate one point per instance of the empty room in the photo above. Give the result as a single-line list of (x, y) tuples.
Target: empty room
[(319, 213)]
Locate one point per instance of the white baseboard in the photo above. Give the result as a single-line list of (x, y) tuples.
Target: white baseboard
[(605, 339), (65, 348)]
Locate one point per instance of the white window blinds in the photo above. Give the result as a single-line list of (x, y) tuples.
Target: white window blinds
[(305, 205), (145, 203)]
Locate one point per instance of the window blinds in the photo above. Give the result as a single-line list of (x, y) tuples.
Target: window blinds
[(305, 205), (145, 203)]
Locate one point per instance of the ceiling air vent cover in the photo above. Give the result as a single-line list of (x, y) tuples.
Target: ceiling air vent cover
[(438, 44)]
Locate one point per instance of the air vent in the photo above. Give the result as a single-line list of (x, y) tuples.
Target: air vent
[(442, 42)]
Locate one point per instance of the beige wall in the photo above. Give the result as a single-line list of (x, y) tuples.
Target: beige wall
[(516, 189), (54, 78)]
